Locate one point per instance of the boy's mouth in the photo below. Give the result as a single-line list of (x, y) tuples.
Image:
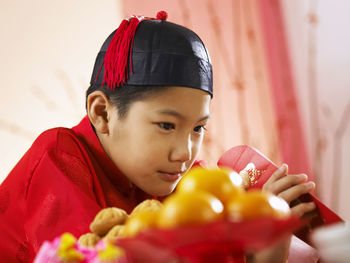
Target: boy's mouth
[(170, 176)]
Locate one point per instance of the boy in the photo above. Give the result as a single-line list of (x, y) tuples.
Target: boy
[(147, 108)]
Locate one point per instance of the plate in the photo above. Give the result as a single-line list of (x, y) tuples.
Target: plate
[(221, 241)]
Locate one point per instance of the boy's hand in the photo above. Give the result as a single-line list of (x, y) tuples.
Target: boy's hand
[(290, 187)]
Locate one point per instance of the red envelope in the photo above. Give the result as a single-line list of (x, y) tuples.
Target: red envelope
[(237, 158)]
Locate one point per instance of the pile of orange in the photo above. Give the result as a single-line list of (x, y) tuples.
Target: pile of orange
[(208, 195)]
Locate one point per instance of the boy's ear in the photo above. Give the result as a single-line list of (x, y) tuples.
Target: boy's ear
[(98, 110)]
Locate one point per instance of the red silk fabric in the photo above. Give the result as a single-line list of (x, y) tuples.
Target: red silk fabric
[(58, 186)]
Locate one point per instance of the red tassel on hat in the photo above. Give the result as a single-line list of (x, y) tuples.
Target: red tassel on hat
[(116, 58)]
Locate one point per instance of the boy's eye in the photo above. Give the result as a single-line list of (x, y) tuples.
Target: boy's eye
[(166, 126), (199, 129)]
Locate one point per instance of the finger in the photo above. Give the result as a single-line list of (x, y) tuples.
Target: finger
[(297, 190), (286, 182), (279, 173), (301, 209)]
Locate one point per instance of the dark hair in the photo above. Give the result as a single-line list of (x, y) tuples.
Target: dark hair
[(124, 96)]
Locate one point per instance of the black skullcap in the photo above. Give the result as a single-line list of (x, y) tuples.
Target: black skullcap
[(162, 54)]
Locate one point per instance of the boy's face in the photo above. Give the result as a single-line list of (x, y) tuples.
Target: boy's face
[(159, 138)]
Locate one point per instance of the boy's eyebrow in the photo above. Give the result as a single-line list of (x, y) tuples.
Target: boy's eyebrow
[(179, 115)]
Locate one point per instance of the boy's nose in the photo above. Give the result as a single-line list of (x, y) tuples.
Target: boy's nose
[(182, 150)]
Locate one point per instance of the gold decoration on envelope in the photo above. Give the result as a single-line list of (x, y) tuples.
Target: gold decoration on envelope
[(250, 175)]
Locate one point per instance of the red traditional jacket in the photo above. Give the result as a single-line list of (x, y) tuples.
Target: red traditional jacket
[(58, 186)]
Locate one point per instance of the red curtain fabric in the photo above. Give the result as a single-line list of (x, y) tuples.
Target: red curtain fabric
[(289, 125)]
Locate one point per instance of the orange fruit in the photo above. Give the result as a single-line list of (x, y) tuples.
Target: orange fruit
[(221, 182), (189, 208), (257, 204), (139, 222)]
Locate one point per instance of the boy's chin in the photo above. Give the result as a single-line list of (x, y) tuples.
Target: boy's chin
[(161, 191)]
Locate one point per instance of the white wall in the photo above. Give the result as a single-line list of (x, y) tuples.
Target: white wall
[(332, 64), (47, 52)]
